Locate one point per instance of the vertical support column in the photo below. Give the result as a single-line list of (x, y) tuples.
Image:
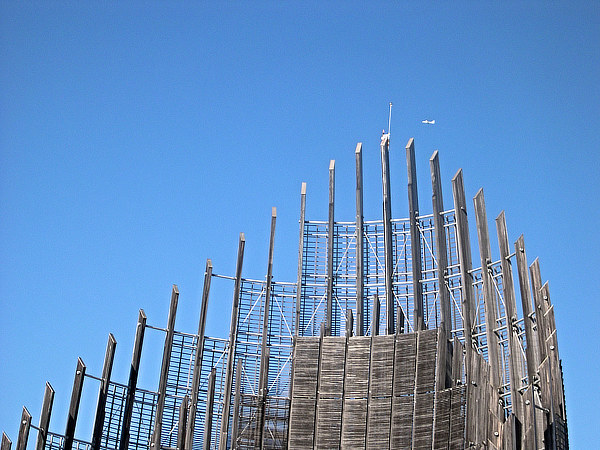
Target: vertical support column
[(6, 443), (133, 377), (182, 423), (349, 322), (210, 402), (264, 353), (400, 326), (415, 236), (553, 355), (330, 237), (443, 374), (540, 316), (191, 416), (103, 393), (164, 371), (300, 257), (360, 238), (467, 297), (231, 345), (236, 404), (489, 297), (387, 234), (24, 427), (45, 417), (511, 318), (74, 405), (376, 314)]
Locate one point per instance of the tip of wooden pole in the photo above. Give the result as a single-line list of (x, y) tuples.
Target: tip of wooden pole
[(332, 164), (434, 156), (410, 144), (358, 148), (457, 176), (273, 211), (175, 289), (303, 188)]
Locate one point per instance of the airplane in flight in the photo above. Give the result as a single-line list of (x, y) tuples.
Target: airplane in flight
[(429, 122)]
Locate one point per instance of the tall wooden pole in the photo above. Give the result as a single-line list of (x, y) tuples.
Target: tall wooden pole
[(210, 401), (164, 371), (300, 256), (24, 428), (330, 247), (133, 377), (182, 424), (387, 234), (236, 403), (45, 417), (415, 236), (264, 353), (6, 442), (191, 416), (360, 238), (74, 405), (103, 393), (232, 341)]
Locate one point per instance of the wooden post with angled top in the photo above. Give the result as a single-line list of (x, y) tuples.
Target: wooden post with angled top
[(24, 427), (387, 234), (376, 314), (191, 416), (264, 353), (232, 341), (515, 361), (45, 417), (300, 256), (133, 377), (6, 442), (360, 238), (540, 316), (444, 372), (330, 247), (74, 405), (164, 371), (415, 236), (103, 393)]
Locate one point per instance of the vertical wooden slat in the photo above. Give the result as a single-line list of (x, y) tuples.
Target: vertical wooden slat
[(489, 294), (376, 314), (231, 347), (45, 417), (191, 416), (360, 237), (349, 322), (264, 354), (236, 403), (210, 401), (6, 442), (263, 382), (24, 428), (330, 247), (133, 377), (300, 256), (74, 405), (553, 355), (182, 424), (415, 236), (387, 233), (540, 311), (443, 377), (164, 371), (103, 393), (515, 361)]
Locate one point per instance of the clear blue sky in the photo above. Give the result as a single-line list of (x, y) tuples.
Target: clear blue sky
[(138, 139)]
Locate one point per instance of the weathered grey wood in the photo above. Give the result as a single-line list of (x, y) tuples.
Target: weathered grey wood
[(133, 377), (457, 418), (356, 380), (354, 423), (387, 233), (45, 417), (400, 326), (415, 236), (424, 386), (466, 280), (360, 238), (262, 398), (328, 429), (532, 350), (444, 376), (458, 350), (164, 370), (210, 401), (379, 422), (405, 362), (264, 354), (514, 346), (376, 313), (540, 310), (300, 255), (489, 294), (6, 442), (236, 404), (232, 340), (441, 419), (330, 238), (382, 366), (402, 421), (74, 405), (553, 355), (182, 423), (349, 322), (103, 392), (24, 428), (197, 371)]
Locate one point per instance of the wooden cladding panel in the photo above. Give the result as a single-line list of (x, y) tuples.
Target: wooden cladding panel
[(331, 375), (354, 423), (302, 422), (357, 368), (329, 421), (423, 420), (306, 367), (426, 351), (404, 378), (457, 418), (441, 429), (402, 414), (378, 422), (382, 366)]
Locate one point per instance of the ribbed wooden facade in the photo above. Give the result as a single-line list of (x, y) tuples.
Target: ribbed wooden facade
[(392, 336)]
